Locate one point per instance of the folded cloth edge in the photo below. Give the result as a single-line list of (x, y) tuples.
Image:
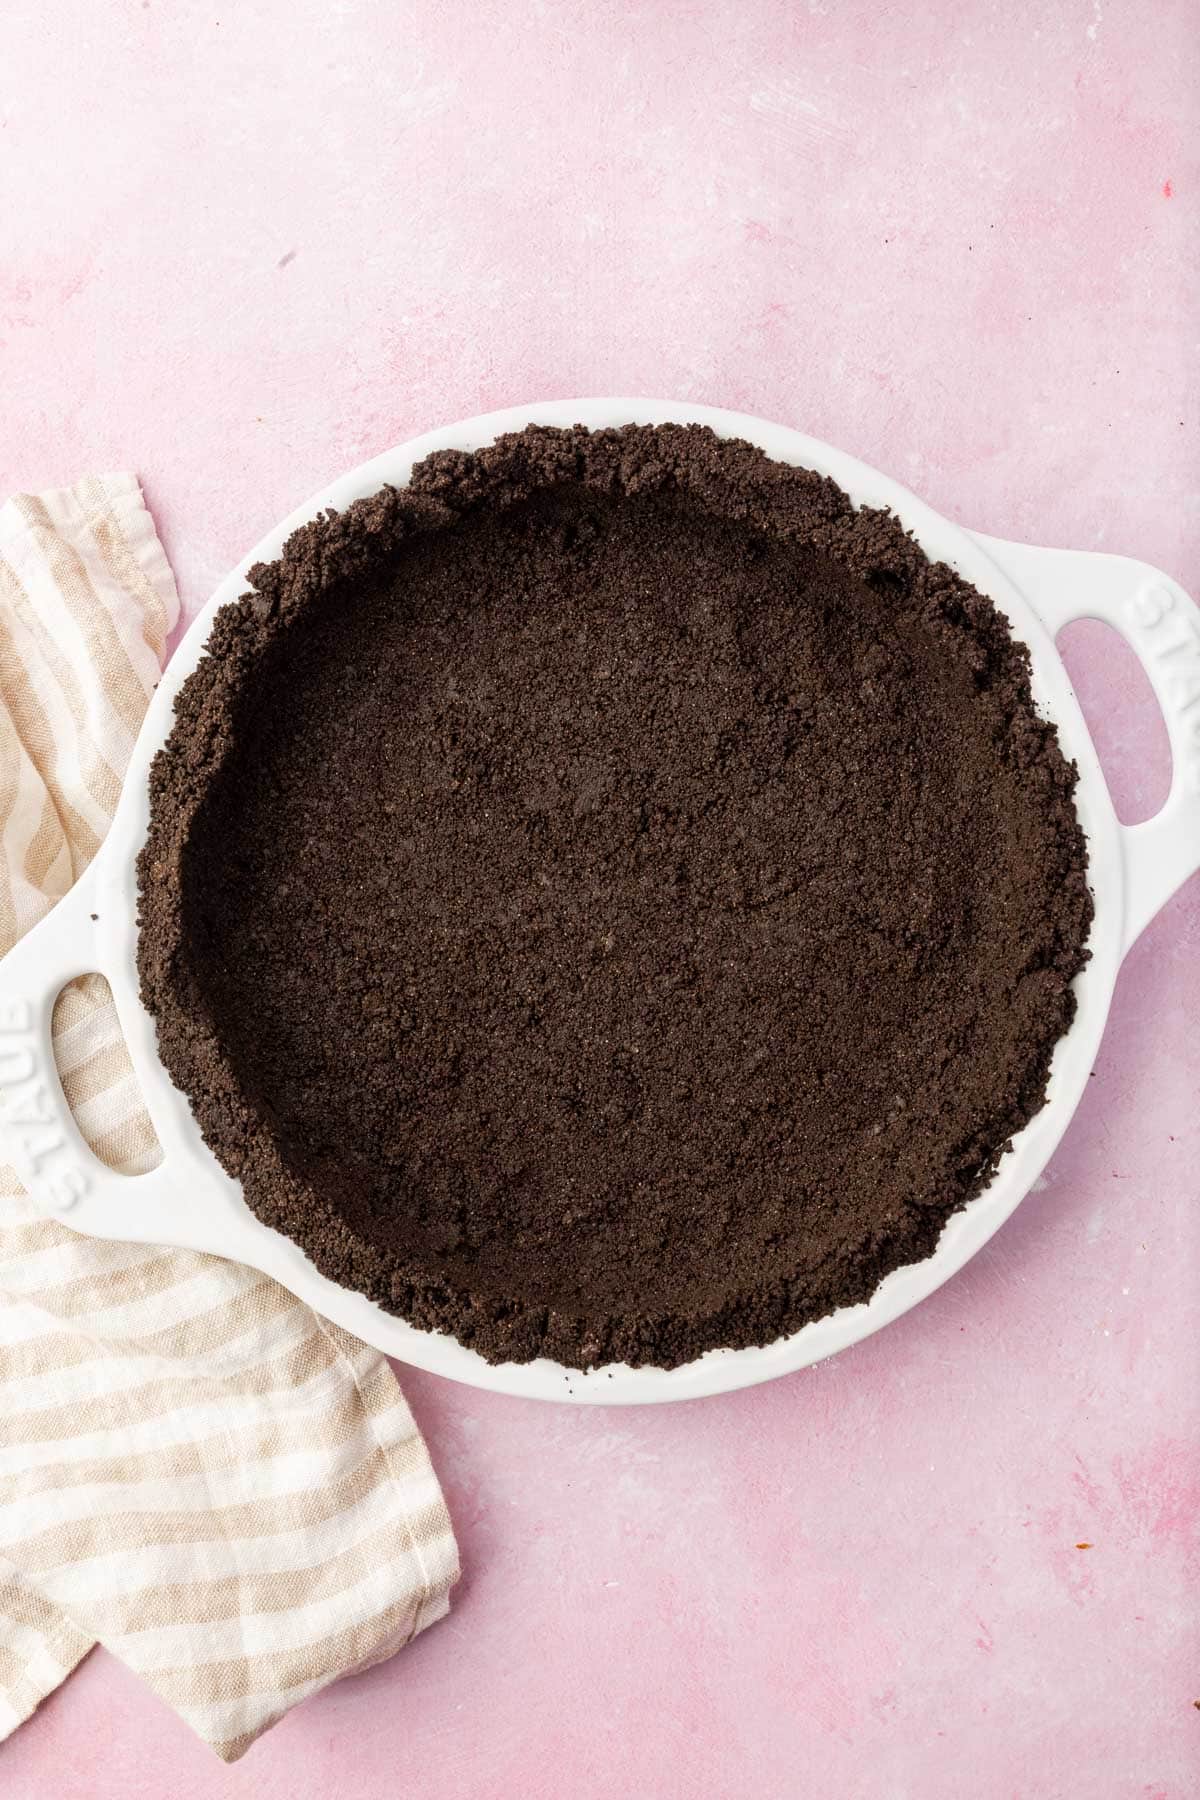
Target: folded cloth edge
[(103, 523)]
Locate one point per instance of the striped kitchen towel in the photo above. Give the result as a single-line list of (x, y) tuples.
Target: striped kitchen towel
[(226, 1491)]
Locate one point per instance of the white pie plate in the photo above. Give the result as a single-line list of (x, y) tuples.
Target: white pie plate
[(190, 1202)]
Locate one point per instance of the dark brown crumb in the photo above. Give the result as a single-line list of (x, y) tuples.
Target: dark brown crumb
[(610, 899)]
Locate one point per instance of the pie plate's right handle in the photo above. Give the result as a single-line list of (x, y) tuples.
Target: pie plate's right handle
[(1162, 626)]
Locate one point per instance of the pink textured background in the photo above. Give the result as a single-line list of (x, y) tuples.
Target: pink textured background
[(244, 245)]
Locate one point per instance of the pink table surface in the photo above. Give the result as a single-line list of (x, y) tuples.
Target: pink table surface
[(244, 245)]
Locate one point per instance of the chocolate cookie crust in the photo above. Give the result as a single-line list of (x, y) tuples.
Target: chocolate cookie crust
[(611, 898)]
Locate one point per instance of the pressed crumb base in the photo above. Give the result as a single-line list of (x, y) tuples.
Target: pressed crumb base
[(611, 899)]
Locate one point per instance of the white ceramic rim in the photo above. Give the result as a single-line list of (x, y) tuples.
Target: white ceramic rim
[(189, 1201)]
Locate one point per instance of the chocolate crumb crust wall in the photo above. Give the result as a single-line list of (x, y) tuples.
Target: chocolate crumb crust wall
[(610, 898)]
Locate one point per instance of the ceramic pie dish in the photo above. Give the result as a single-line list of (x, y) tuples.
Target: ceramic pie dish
[(190, 1202)]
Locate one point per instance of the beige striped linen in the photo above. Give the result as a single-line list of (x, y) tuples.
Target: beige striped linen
[(225, 1490)]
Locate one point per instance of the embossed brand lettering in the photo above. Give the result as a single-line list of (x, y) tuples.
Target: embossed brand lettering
[(38, 1142), (66, 1186), (44, 1157), (1184, 690), (30, 1106), (1173, 643), (1150, 605), (16, 1063), (1180, 646)]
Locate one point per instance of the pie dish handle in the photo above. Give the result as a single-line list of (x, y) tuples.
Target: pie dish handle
[(39, 1138), (1161, 625)]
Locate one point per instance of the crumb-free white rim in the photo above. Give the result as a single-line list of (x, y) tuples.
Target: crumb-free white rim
[(188, 1200)]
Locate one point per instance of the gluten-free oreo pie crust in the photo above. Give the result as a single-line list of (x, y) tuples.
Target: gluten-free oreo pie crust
[(610, 898)]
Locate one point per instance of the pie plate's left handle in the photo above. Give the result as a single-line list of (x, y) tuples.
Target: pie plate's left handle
[(39, 1138)]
